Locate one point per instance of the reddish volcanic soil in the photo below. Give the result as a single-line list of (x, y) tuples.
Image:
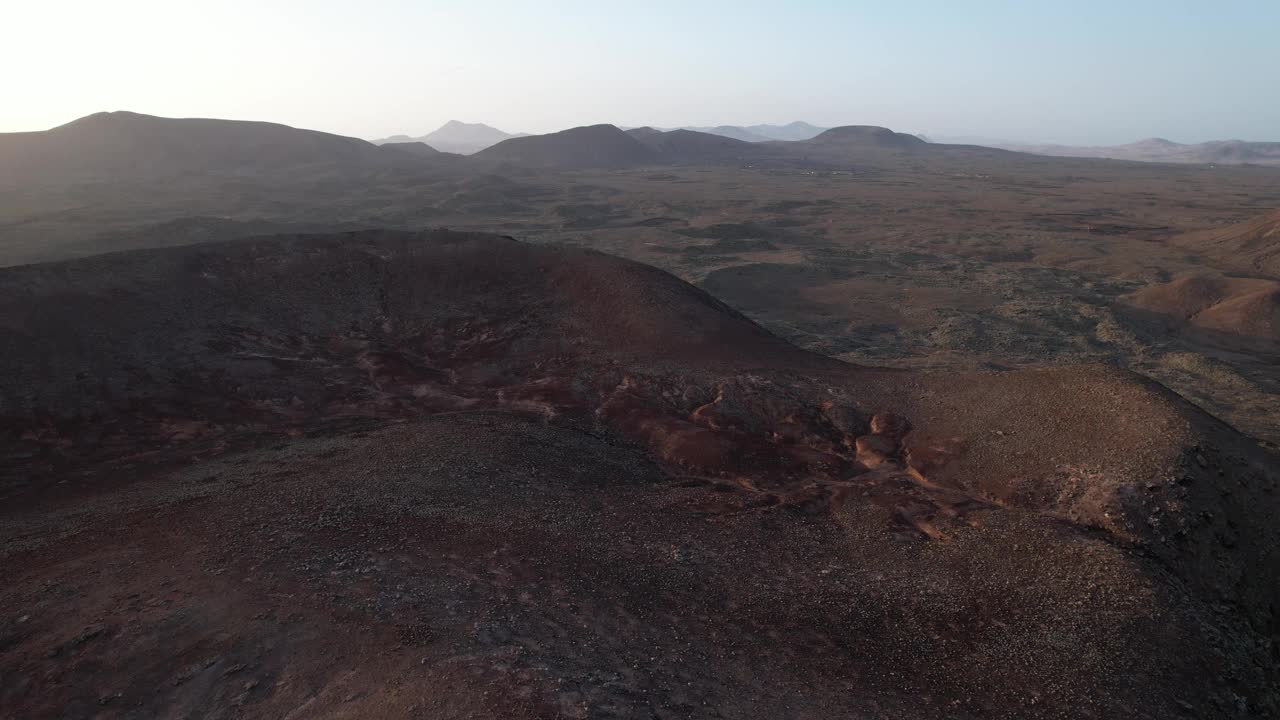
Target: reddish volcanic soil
[(1229, 311), (1251, 247), (452, 475)]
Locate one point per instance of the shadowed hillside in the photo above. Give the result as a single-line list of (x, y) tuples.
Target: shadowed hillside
[(1232, 312)]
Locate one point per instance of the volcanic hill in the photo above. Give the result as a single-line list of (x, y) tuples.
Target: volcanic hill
[(123, 147), (866, 136), (1225, 311), (592, 146), (1252, 246), (453, 475)]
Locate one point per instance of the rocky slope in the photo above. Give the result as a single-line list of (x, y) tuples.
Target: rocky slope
[(454, 475), (1251, 247)]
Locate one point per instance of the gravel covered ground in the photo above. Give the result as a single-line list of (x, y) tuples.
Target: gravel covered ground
[(452, 476)]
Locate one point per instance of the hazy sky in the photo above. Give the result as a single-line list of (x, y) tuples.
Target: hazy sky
[(1074, 71)]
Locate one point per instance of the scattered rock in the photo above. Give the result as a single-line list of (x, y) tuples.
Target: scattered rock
[(845, 419), (890, 425), (88, 634)]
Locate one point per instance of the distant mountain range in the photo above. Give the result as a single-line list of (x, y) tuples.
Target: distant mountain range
[(690, 145), (798, 130), (1224, 152), (469, 138), (129, 147), (124, 147), (456, 137), (607, 146), (730, 131)]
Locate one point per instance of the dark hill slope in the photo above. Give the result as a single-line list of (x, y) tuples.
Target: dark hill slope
[(688, 146), (881, 146), (731, 131), (412, 147), (128, 147), (593, 146), (375, 473), (863, 136)]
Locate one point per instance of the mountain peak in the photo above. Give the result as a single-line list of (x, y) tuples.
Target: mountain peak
[(466, 138), (459, 125)]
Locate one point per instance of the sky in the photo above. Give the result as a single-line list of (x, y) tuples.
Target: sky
[(1065, 71)]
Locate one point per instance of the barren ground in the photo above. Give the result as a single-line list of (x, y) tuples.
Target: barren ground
[(448, 476)]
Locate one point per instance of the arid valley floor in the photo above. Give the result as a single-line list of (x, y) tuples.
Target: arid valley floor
[(661, 426)]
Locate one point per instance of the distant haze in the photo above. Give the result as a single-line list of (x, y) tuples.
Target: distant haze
[(1081, 73)]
